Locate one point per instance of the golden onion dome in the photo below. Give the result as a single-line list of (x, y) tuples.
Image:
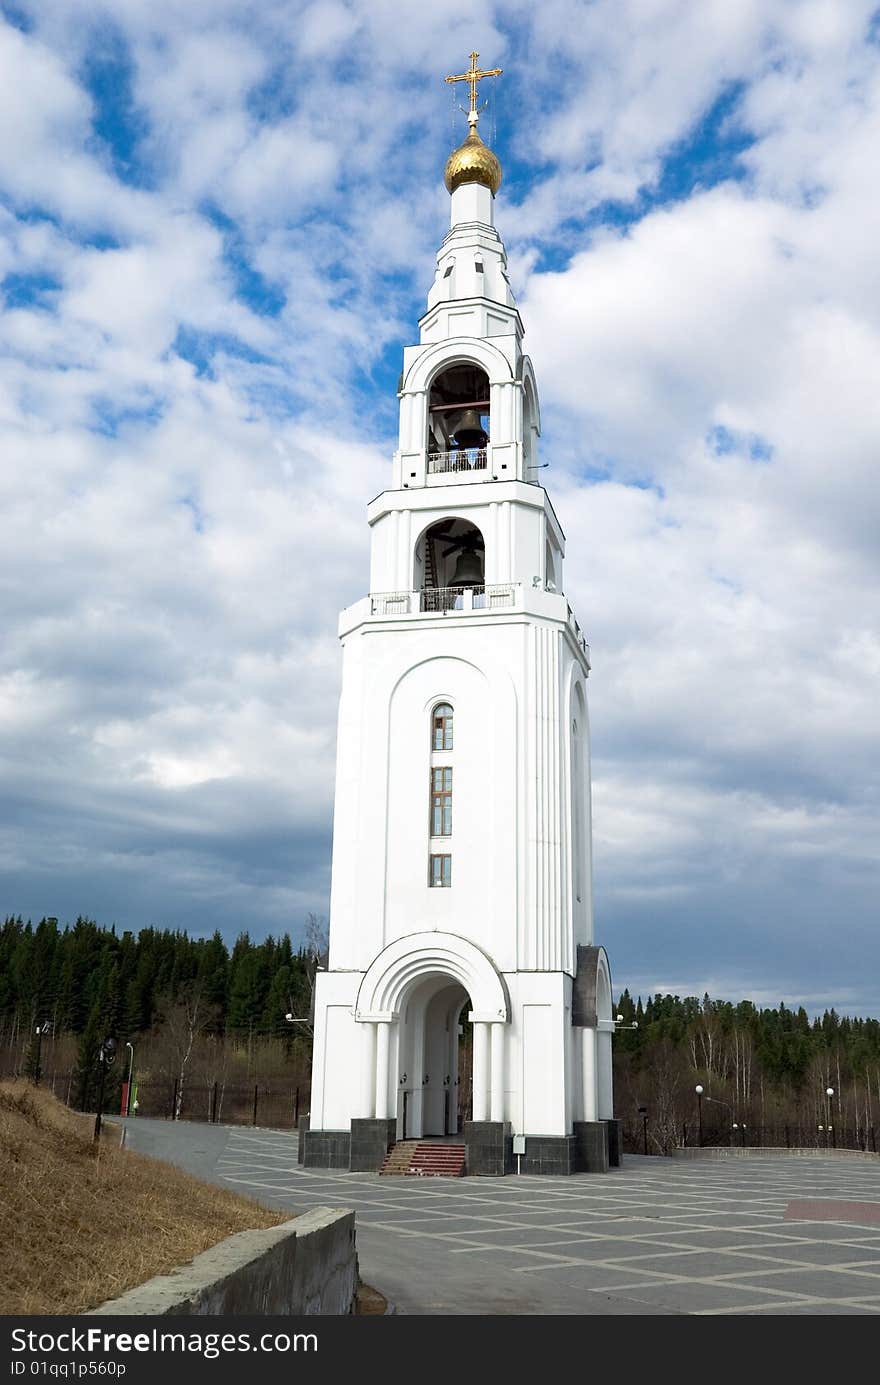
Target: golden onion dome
[(472, 162)]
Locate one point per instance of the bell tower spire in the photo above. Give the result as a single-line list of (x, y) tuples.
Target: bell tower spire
[(462, 879)]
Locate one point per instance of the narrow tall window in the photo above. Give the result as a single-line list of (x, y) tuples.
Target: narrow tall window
[(441, 802), (440, 809), (441, 727), (440, 876)]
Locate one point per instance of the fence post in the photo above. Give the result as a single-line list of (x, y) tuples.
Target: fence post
[(256, 1091)]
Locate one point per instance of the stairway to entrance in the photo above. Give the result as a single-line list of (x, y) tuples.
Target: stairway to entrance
[(424, 1159)]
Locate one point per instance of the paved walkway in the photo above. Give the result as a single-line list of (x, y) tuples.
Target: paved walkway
[(658, 1236)]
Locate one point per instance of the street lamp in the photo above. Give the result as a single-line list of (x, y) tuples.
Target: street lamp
[(699, 1091), (40, 1030), (727, 1106), (130, 1048), (829, 1093), (106, 1056)]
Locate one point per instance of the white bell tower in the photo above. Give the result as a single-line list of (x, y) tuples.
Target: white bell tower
[(462, 877)]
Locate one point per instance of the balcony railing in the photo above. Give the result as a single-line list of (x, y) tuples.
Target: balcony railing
[(459, 459), (445, 600)]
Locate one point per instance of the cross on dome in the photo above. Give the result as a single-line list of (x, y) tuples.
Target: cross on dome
[(473, 77), (472, 162)]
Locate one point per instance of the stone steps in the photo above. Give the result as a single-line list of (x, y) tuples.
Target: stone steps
[(417, 1159), (399, 1157)]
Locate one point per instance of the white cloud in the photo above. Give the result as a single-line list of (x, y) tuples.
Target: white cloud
[(716, 364)]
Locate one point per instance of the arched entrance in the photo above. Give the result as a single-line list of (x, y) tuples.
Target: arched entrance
[(409, 1006), (429, 1096)]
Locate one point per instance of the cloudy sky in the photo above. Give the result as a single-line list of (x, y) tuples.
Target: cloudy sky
[(217, 229)]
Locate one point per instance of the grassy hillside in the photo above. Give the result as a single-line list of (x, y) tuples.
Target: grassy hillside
[(80, 1225)]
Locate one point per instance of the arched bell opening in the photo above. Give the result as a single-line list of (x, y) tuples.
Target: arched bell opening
[(551, 580), (449, 563), (459, 419), (530, 430), (432, 1100)]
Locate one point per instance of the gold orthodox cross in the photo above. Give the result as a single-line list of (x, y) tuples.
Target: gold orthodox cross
[(473, 76)]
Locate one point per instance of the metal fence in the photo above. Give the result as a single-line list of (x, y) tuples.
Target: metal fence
[(781, 1137), (274, 1105), (645, 1138)]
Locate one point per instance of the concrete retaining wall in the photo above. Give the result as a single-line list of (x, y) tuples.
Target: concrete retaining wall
[(772, 1152), (305, 1266)]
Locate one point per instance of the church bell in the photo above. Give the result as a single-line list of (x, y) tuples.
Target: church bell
[(468, 570), (469, 431)]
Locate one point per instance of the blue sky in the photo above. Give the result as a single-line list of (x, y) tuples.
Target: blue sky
[(217, 231)]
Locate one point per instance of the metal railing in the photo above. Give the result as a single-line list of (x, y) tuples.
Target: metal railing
[(648, 1136), (391, 603), (780, 1137), (445, 599), (459, 459)]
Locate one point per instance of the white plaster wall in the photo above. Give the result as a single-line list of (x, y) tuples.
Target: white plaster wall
[(336, 1053), (538, 1042), (506, 678)]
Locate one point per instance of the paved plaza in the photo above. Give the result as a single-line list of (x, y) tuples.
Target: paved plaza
[(657, 1236)]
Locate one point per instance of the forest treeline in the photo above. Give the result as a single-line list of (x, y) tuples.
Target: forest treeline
[(209, 1013), (762, 1069), (128, 981), (202, 1006)]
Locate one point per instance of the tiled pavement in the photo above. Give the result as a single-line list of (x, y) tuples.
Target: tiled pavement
[(658, 1236)]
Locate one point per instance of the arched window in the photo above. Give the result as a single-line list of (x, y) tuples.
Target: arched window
[(529, 432), (441, 727), (440, 798), (458, 419)]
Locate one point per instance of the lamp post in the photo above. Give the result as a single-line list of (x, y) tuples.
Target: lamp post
[(39, 1031), (130, 1048), (643, 1112), (106, 1055), (699, 1091), (727, 1106), (829, 1093)]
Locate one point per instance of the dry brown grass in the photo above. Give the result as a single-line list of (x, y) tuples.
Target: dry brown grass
[(78, 1226)]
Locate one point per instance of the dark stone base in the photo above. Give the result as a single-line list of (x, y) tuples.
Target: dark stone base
[(370, 1142), (613, 1128), (551, 1154), (327, 1149), (302, 1126), (591, 1143), (488, 1147)]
